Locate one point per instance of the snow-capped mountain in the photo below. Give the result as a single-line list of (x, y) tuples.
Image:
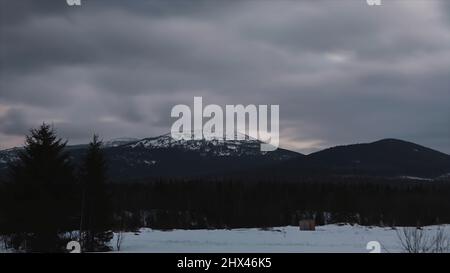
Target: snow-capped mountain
[(166, 156), (206, 147)]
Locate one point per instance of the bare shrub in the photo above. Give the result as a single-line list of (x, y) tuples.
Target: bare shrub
[(419, 240), (3, 242), (441, 241), (119, 239)]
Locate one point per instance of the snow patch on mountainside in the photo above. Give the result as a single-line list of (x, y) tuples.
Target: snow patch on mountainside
[(8, 156), (116, 142), (416, 178), (209, 146)]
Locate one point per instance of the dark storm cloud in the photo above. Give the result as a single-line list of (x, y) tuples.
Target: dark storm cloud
[(341, 71), (14, 122)]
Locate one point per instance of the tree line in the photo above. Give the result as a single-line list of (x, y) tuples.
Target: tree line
[(237, 202)]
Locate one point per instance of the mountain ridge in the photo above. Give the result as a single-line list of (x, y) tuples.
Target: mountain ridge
[(389, 156), (165, 156)]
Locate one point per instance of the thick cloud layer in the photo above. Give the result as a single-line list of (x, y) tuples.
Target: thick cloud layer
[(341, 71)]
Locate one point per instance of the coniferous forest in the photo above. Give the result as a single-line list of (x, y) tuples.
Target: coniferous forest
[(46, 200)]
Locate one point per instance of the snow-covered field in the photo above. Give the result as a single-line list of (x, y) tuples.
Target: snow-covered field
[(329, 238)]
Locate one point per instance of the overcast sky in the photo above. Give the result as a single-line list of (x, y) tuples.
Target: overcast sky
[(341, 71)]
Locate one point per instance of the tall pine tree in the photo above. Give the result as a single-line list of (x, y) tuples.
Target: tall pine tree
[(42, 192), (96, 217)]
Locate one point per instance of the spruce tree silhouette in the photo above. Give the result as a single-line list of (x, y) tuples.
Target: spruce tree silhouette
[(96, 209), (42, 192)]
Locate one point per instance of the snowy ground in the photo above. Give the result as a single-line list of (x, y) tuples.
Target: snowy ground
[(329, 238)]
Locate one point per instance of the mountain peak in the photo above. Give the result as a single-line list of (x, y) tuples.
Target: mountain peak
[(386, 156), (209, 146), (115, 142), (392, 141)]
